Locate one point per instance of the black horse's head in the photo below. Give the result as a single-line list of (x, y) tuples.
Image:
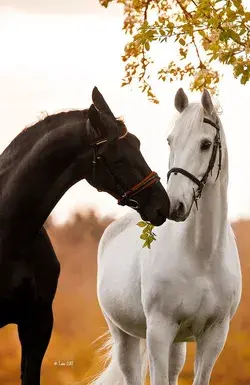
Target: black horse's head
[(118, 166)]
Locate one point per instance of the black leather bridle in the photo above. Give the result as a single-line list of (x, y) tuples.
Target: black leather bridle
[(201, 183), (125, 196)]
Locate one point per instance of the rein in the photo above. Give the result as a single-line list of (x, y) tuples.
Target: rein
[(125, 196), (201, 183)]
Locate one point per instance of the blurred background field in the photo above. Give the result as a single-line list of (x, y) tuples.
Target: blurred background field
[(78, 320)]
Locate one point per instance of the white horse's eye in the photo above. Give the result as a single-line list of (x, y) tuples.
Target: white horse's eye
[(205, 145)]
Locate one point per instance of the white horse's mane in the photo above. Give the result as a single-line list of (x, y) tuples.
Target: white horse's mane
[(195, 111)]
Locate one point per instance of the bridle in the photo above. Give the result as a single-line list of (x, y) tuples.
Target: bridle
[(201, 183), (126, 197)]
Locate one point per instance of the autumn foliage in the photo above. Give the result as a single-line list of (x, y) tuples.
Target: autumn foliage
[(200, 33), (78, 320)]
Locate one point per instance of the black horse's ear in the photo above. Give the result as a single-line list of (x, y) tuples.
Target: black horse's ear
[(107, 121), (95, 121), (100, 103)]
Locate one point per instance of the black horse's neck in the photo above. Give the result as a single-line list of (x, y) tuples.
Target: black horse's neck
[(41, 177)]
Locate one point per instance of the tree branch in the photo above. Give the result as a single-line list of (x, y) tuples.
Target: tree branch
[(201, 65), (145, 18), (186, 13)]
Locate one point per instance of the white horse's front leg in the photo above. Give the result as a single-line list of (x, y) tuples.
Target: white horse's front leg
[(161, 332), (209, 347)]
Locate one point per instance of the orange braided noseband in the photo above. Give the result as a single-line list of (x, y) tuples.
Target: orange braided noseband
[(148, 181)]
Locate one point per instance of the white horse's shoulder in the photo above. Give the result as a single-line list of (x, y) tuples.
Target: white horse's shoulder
[(116, 228)]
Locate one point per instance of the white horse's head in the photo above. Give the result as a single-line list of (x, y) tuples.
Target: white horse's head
[(195, 153)]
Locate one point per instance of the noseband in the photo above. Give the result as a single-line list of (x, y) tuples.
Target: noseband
[(201, 183), (125, 196)]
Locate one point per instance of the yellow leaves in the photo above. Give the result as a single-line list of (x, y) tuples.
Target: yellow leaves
[(105, 3), (145, 87), (242, 69), (205, 78), (214, 30), (148, 236), (244, 78), (182, 41), (247, 16), (183, 53), (172, 71)]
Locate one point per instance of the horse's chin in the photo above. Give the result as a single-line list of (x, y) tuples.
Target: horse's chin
[(156, 221), (159, 220)]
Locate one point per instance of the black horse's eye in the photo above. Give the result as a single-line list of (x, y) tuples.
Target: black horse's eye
[(205, 145)]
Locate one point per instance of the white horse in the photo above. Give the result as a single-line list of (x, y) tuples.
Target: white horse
[(188, 286)]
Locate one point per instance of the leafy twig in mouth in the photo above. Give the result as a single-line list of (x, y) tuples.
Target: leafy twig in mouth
[(148, 236)]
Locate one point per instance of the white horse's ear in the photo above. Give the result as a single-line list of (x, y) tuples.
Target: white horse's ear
[(207, 103), (181, 100)]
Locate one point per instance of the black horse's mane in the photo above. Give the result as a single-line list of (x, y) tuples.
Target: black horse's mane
[(23, 142)]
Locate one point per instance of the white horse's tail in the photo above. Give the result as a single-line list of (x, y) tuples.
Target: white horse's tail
[(112, 375)]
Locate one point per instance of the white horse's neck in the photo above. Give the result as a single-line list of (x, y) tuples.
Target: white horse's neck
[(207, 226)]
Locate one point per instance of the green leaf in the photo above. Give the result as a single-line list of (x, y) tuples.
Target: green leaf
[(233, 35), (146, 244), (142, 224), (244, 79)]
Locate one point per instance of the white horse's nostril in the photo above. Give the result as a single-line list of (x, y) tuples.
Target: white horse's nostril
[(180, 208), (177, 210)]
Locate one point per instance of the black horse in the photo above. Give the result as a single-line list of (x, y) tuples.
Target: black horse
[(36, 169)]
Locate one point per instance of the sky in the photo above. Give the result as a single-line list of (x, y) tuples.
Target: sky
[(52, 54)]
